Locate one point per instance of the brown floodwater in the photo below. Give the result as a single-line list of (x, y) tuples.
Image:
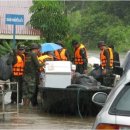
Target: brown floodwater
[(35, 118)]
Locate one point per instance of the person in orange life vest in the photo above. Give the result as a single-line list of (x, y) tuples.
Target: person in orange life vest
[(18, 72), (62, 54), (50, 55), (47, 56), (116, 57), (106, 58), (80, 57)]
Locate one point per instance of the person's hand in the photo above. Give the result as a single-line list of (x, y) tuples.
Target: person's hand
[(85, 72)]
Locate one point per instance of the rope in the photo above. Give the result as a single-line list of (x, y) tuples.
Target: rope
[(78, 95)]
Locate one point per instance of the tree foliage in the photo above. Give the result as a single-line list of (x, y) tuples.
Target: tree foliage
[(104, 20), (88, 21), (49, 17)]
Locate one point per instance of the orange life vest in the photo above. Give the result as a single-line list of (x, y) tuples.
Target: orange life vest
[(61, 55), (18, 68), (103, 58), (77, 57), (57, 55)]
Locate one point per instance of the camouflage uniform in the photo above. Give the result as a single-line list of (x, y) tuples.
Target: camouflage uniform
[(29, 86), (31, 77)]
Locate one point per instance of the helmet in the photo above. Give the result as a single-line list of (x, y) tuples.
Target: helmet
[(74, 42), (21, 47), (101, 43), (34, 46)]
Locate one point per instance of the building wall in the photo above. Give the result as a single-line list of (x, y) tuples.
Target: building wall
[(20, 7)]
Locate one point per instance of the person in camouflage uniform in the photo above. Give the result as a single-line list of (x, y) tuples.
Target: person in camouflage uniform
[(31, 76), (17, 59)]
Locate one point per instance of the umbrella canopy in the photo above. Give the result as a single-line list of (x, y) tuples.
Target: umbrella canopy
[(45, 47)]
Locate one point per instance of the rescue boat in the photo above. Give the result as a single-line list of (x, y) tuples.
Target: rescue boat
[(59, 94)]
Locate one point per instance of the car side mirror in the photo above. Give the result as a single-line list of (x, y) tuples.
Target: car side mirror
[(99, 98)]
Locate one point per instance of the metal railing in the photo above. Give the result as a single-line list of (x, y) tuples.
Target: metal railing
[(20, 30), (5, 87)]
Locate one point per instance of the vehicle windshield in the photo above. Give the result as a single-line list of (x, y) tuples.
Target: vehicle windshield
[(121, 105)]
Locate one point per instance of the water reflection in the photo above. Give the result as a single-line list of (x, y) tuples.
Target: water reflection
[(34, 118)]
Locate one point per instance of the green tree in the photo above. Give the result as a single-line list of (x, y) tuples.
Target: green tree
[(49, 17), (120, 9), (108, 21)]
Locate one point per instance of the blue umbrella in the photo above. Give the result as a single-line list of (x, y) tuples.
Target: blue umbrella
[(45, 47)]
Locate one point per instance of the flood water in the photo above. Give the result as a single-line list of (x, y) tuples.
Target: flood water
[(34, 118)]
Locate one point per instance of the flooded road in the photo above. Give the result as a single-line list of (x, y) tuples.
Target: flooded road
[(34, 118)]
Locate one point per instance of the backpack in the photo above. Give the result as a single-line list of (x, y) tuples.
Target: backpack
[(5, 69)]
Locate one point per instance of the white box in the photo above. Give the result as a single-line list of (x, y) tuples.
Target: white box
[(57, 74), (56, 80), (57, 66)]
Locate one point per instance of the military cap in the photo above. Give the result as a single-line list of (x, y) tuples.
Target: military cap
[(74, 42), (101, 43), (34, 46), (21, 47)]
